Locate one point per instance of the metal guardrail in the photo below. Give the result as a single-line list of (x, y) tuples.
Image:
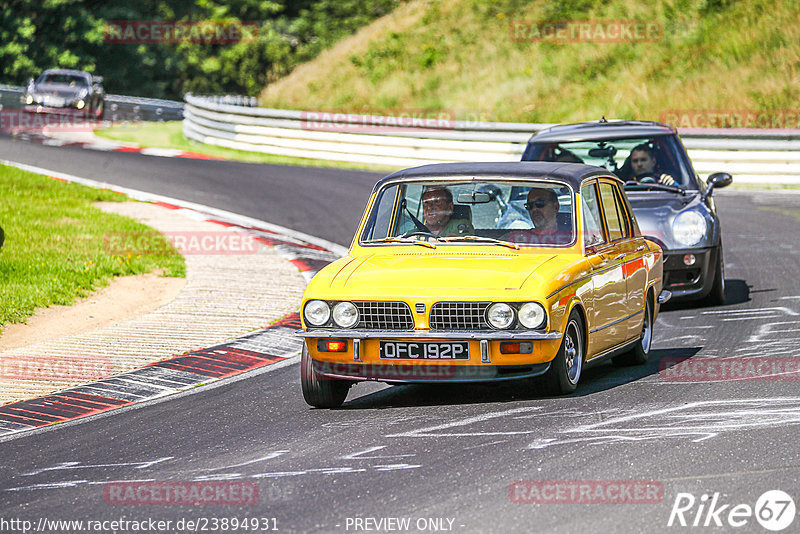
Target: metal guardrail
[(118, 108), (752, 156)]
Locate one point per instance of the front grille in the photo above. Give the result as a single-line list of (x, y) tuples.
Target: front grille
[(384, 315), (459, 316)]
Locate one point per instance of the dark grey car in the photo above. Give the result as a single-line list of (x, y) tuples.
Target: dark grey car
[(65, 90), (672, 205)]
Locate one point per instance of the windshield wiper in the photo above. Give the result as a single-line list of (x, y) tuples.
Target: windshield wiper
[(402, 240), (655, 185), (481, 239)]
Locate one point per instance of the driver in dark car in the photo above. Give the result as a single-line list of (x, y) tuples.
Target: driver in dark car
[(643, 164), (437, 207)]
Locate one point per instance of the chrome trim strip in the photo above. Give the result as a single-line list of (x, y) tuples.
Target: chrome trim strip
[(427, 334), (356, 350), (664, 296), (612, 323), (485, 351)]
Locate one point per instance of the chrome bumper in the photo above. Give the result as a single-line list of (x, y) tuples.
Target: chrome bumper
[(664, 296), (427, 334)]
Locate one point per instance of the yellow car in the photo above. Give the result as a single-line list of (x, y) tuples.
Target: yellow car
[(483, 271)]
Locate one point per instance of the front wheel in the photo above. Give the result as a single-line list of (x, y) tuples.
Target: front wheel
[(320, 391), (640, 352), (717, 295), (565, 370)]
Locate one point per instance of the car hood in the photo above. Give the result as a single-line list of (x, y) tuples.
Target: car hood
[(656, 210), (475, 274)]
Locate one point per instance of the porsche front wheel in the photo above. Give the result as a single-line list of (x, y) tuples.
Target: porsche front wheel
[(320, 391)]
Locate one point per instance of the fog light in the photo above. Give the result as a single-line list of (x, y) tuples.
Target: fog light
[(511, 347), (332, 345), (689, 260)]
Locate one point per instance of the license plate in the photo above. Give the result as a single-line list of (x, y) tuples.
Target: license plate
[(424, 350)]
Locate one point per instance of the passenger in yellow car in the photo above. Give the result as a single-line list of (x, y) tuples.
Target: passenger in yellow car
[(437, 207), (542, 207)]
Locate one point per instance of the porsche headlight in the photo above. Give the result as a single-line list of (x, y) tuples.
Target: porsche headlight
[(345, 314), (689, 228), (532, 315), (317, 312), (29, 99), (500, 315), (80, 104)]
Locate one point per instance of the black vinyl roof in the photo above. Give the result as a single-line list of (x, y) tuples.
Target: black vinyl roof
[(571, 173), (599, 130)]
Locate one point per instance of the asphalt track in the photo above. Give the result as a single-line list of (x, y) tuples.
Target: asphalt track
[(443, 453)]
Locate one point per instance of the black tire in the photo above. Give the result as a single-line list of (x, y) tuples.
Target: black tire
[(565, 370), (320, 391), (716, 297), (640, 352)]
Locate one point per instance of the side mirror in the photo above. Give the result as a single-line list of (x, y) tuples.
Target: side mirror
[(717, 180)]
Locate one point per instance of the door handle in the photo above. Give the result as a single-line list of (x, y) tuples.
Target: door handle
[(641, 248), (619, 257)]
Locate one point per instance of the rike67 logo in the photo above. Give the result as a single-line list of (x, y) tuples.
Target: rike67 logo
[(774, 510)]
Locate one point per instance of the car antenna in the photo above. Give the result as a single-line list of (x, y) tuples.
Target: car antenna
[(603, 119)]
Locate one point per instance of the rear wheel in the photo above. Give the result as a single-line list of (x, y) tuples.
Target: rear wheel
[(717, 295), (640, 352), (320, 391), (565, 370)]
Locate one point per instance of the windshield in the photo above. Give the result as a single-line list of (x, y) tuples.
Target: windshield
[(534, 213), (658, 159), (66, 79)]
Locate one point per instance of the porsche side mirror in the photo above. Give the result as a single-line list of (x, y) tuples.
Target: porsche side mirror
[(717, 180)]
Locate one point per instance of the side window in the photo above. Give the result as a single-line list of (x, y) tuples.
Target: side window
[(615, 221), (592, 229), (381, 215)]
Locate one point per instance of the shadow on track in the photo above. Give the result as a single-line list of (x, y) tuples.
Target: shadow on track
[(595, 380)]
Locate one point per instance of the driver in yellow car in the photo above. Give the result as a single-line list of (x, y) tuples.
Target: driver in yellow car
[(437, 207), (643, 163)]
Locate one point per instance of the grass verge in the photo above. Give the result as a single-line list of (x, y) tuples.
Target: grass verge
[(170, 135), (55, 248)]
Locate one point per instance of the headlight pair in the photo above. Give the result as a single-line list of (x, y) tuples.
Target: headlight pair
[(531, 315), (318, 313)]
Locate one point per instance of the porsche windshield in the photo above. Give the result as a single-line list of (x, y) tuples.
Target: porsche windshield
[(65, 79), (490, 212), (660, 159)]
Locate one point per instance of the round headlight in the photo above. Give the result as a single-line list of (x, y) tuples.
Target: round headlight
[(317, 312), (345, 314), (29, 99), (532, 315), (689, 228), (500, 315), (80, 104)]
